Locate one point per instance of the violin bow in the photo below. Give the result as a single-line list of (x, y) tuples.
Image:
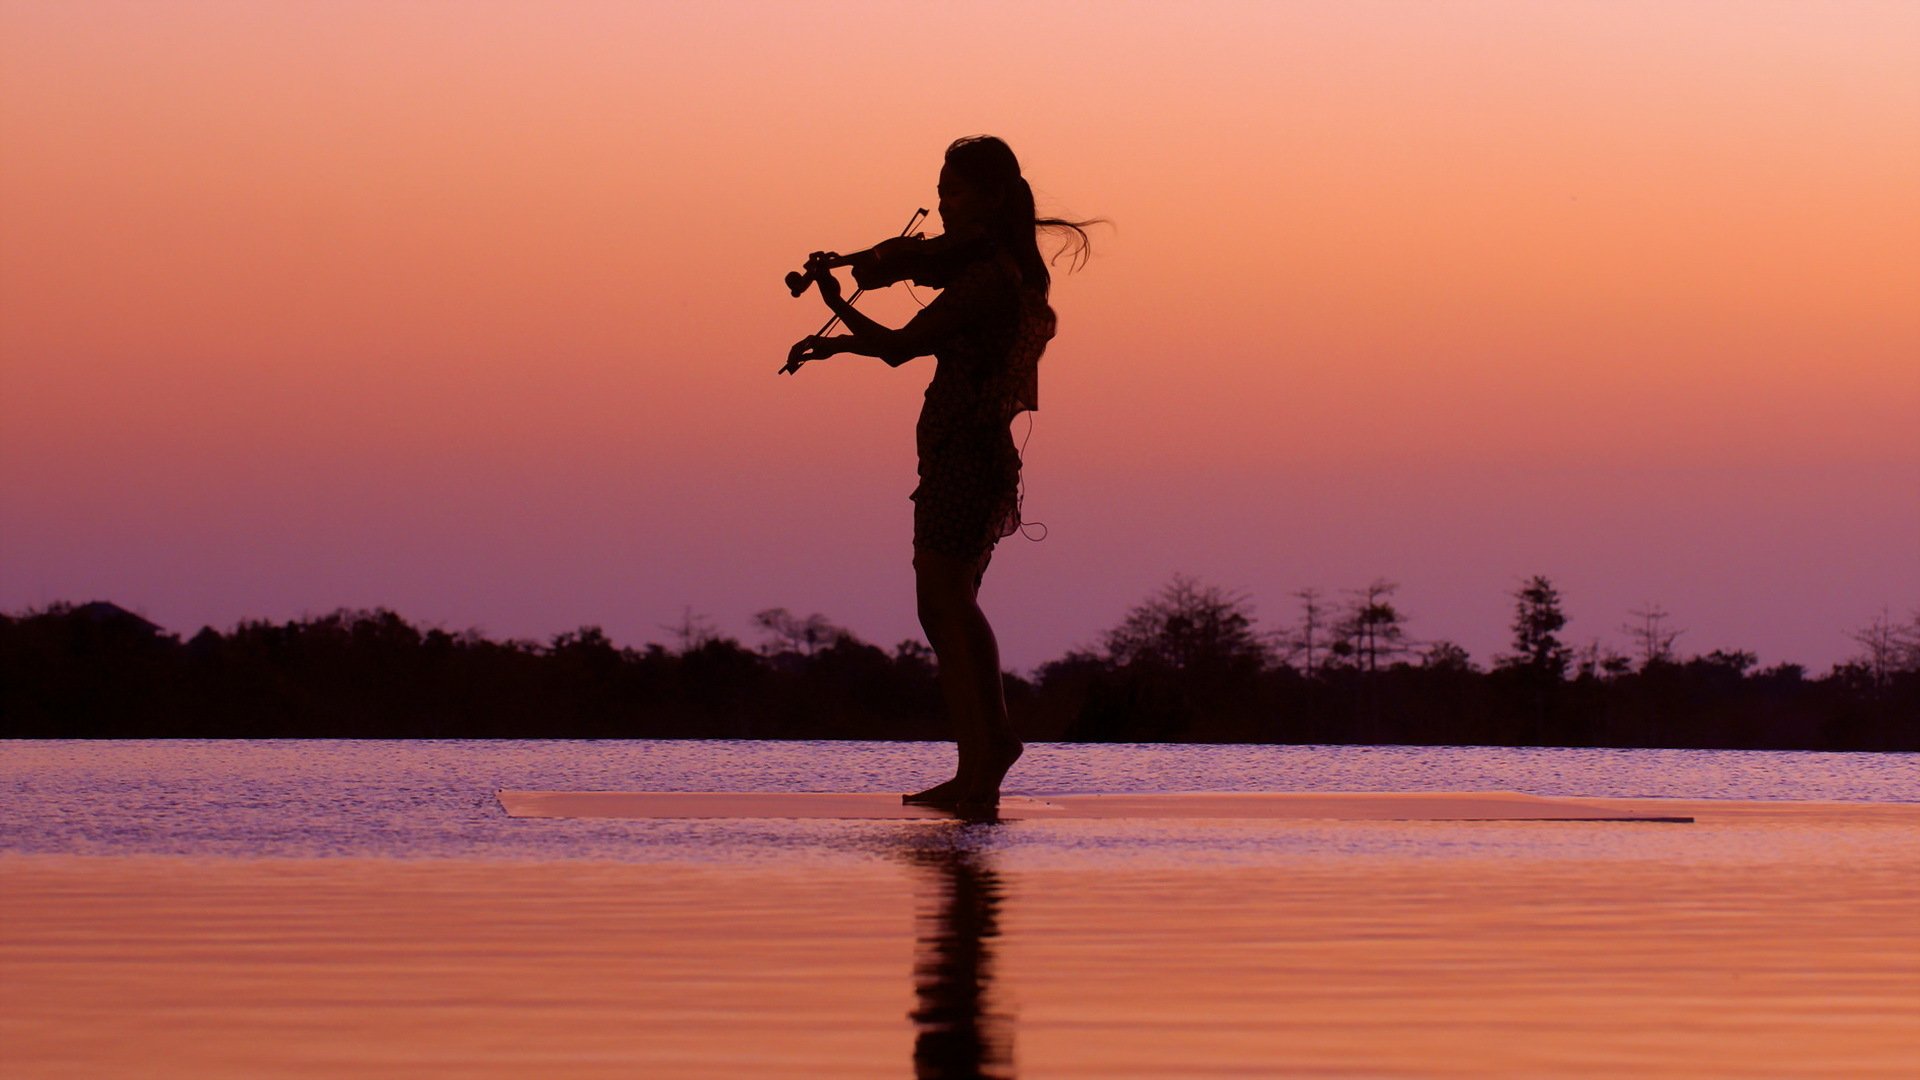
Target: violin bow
[(792, 366)]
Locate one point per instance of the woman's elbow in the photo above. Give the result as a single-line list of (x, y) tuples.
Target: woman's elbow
[(899, 348)]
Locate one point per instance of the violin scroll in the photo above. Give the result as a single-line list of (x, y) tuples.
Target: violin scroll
[(818, 262)]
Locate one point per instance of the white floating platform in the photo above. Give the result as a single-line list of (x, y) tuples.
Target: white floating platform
[(886, 806)]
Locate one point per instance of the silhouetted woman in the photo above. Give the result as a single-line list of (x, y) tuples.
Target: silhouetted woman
[(986, 330)]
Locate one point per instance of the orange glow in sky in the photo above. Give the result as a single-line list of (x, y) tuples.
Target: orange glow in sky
[(472, 310)]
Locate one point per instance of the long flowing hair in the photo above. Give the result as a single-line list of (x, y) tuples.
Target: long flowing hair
[(988, 164)]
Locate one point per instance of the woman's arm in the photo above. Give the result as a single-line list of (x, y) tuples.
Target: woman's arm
[(924, 333), (819, 348)]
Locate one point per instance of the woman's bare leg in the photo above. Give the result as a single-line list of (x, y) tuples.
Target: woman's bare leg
[(969, 669)]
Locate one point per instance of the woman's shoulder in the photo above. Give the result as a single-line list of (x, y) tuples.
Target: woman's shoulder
[(983, 285), (995, 270)]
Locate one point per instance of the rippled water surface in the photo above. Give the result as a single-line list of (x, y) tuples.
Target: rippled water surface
[(434, 799), (367, 909)]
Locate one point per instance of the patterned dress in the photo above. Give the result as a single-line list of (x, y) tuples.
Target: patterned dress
[(986, 373)]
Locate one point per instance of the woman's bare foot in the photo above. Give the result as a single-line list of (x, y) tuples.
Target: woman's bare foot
[(975, 784), (942, 794)]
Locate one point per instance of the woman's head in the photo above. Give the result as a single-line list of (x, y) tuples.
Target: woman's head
[(981, 187), (981, 190)]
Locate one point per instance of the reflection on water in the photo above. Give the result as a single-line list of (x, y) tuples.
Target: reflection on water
[(961, 1028), (1781, 942)]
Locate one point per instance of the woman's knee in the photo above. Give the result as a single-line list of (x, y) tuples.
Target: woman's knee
[(934, 616), (962, 573), (943, 585), (939, 608)]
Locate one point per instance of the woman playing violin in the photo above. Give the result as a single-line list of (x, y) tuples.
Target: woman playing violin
[(986, 331)]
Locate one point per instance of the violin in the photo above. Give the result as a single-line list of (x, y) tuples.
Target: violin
[(930, 262)]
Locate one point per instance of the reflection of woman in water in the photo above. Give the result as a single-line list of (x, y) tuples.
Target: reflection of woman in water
[(986, 331), (962, 1027)]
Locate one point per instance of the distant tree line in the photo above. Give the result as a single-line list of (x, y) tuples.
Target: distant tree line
[(1189, 664)]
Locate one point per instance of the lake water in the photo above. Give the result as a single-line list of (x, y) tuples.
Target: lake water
[(319, 908), (434, 799)]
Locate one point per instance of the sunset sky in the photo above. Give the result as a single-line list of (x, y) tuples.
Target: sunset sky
[(473, 310)]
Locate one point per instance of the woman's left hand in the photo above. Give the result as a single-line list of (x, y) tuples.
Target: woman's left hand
[(828, 285)]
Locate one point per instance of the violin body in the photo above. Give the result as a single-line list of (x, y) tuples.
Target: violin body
[(928, 262)]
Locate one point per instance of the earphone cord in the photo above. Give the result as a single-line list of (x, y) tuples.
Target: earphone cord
[(1020, 492)]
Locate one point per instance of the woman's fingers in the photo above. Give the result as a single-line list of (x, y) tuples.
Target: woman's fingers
[(828, 285), (799, 354), (809, 348)]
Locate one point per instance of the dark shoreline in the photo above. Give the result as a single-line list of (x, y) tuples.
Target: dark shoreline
[(97, 671)]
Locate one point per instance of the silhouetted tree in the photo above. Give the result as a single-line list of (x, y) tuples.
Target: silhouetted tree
[(1889, 647), (913, 651), (1372, 629), (1737, 661), (1537, 667), (1446, 656), (787, 633), (1537, 621), (1183, 665), (691, 632), (1597, 661), (1188, 627), (1309, 633), (1649, 631)]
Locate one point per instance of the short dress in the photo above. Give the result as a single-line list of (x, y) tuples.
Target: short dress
[(986, 373)]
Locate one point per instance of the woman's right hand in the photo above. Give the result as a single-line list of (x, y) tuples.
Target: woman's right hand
[(812, 347)]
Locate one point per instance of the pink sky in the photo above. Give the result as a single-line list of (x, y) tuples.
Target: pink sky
[(473, 310)]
